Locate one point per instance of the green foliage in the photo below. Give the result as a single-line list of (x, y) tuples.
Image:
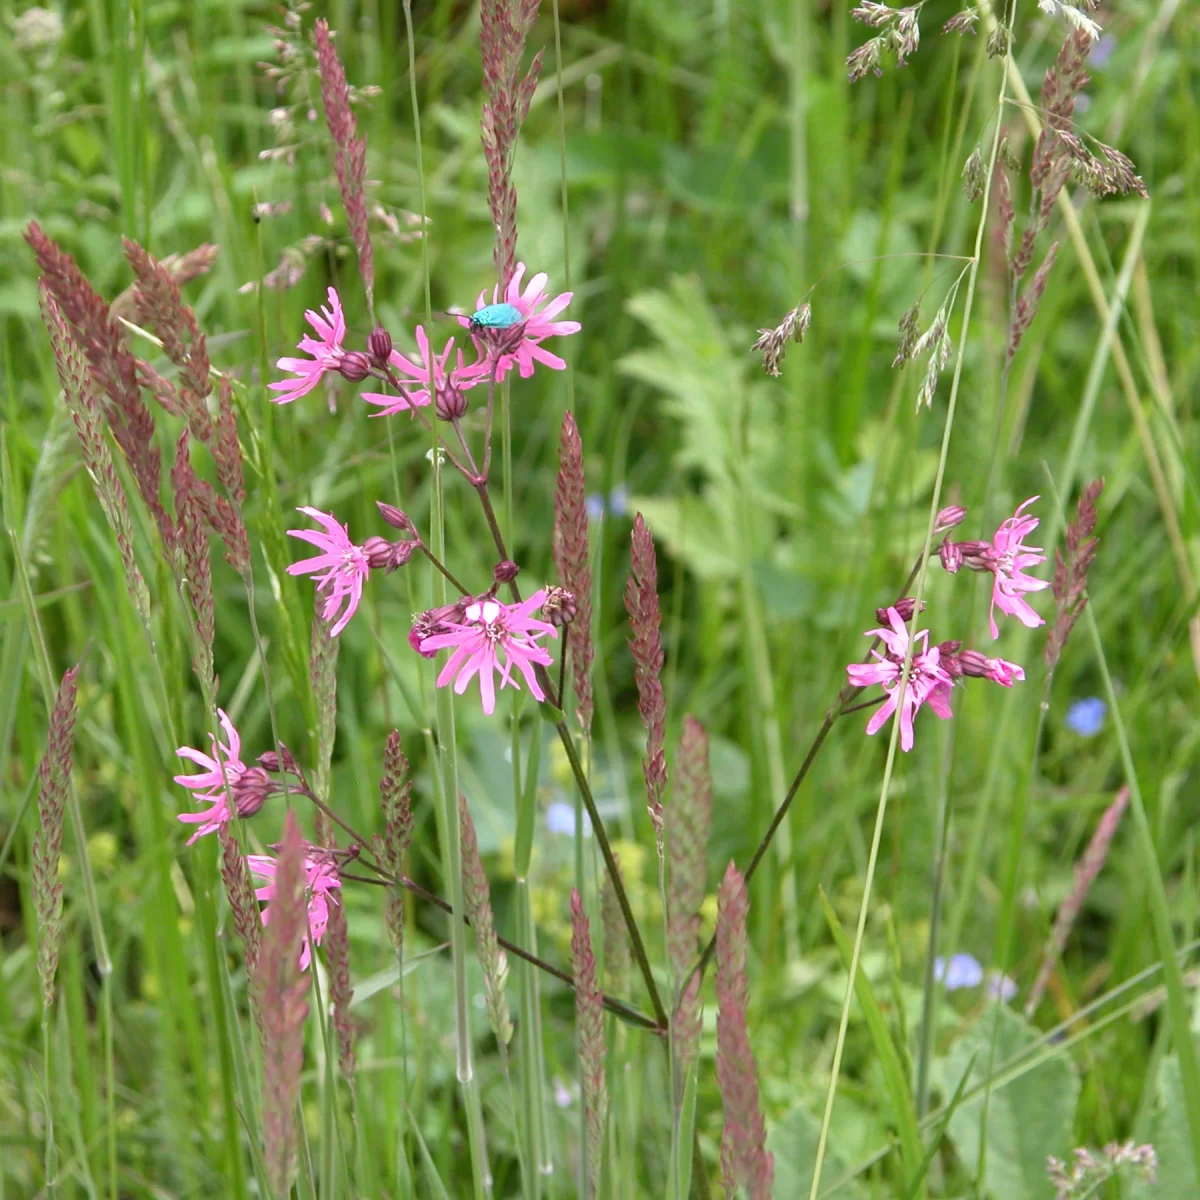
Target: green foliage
[(1028, 1118), (720, 171)]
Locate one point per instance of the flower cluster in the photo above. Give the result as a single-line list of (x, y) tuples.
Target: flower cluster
[(933, 670), (227, 785), (502, 340), (486, 638)]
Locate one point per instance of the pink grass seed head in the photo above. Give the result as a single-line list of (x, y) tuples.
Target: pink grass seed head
[(321, 880)]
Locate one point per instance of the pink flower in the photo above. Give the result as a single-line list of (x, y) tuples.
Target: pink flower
[(215, 785), (344, 563), (320, 878), (976, 664), (448, 386), (326, 353), (927, 681), (487, 628), (1006, 557), (538, 324)]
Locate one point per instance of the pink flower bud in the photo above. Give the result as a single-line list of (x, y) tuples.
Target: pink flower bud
[(379, 345), (981, 666), (378, 551), (559, 606), (950, 516), (355, 366), (271, 761), (951, 555), (251, 789), (450, 402), (395, 517), (505, 572), (904, 607)]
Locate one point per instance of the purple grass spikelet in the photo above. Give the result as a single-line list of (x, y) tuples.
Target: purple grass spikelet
[(350, 152), (337, 947), (112, 365), (1027, 305), (1086, 870), (478, 903), (395, 799), (589, 1024), (688, 820), (745, 1162), (572, 562), (641, 602), (322, 673), (772, 343), (54, 781), (197, 566), (1069, 587), (503, 27), (240, 890), (160, 307), (282, 989), (83, 402)]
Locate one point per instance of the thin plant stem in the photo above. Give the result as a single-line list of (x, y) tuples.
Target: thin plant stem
[(440, 566), (935, 502), (930, 989), (585, 791)]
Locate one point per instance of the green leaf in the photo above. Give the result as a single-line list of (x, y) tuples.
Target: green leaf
[(794, 1143), (1170, 1136), (898, 1087), (1029, 1117)]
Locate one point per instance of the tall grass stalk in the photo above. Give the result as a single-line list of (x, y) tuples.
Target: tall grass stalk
[(877, 835)]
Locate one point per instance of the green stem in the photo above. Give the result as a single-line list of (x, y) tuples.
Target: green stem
[(877, 836)]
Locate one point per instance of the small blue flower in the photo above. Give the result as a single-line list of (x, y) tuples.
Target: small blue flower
[(1086, 717), (1000, 987), (618, 500), (1102, 51), (963, 971), (560, 818), (595, 506)]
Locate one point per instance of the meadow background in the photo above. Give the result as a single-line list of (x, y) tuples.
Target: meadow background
[(717, 164)]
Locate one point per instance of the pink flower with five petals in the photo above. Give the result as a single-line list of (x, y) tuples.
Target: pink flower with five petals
[(344, 564), (539, 323), (1006, 557), (487, 630), (448, 385), (320, 880), (325, 350), (215, 784), (928, 683)]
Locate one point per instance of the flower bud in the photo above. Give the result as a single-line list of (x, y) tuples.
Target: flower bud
[(251, 789), (355, 366), (402, 551), (271, 761), (450, 401), (981, 666), (379, 345), (904, 606), (378, 551), (951, 515), (397, 518), (505, 572), (951, 555), (559, 606)]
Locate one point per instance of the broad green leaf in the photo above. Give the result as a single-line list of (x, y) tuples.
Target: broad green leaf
[(793, 1141), (1170, 1137), (1029, 1118)]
